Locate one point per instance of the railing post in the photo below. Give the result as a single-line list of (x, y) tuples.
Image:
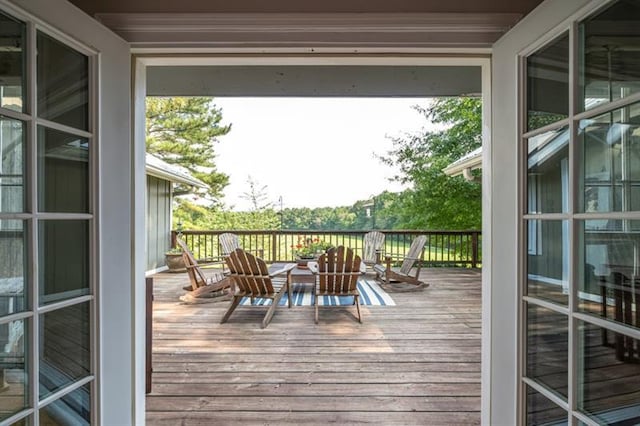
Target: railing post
[(474, 249), (275, 236), (174, 235)]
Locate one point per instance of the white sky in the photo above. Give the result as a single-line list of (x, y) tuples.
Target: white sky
[(290, 144)]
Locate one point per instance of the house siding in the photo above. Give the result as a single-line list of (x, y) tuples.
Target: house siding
[(158, 221)]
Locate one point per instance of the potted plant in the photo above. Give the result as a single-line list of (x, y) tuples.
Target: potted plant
[(173, 259), (308, 249)]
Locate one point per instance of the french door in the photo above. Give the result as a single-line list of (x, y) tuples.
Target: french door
[(56, 307), (580, 221)]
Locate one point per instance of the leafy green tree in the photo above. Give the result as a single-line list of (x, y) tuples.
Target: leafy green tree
[(183, 131), (437, 201)]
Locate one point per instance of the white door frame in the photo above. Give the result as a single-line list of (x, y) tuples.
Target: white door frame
[(174, 58)]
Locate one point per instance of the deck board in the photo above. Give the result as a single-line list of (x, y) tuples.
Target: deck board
[(414, 363)]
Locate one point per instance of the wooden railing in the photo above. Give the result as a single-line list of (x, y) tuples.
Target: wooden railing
[(443, 248)]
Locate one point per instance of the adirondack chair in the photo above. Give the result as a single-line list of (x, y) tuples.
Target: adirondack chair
[(337, 272), (388, 274), (200, 283), (228, 243), (252, 279), (372, 248)]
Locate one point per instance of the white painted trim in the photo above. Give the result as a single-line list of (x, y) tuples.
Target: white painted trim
[(487, 245), (309, 31), (138, 235)]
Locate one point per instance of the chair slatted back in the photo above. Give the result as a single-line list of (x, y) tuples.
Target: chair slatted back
[(228, 243), (373, 242), (338, 271), (196, 276), (250, 274), (415, 254)]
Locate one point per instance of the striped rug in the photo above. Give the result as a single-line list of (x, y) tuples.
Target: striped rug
[(370, 294)]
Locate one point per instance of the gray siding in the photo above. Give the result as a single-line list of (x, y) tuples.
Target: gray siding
[(158, 221)]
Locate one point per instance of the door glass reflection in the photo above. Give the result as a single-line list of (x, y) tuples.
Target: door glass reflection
[(63, 83), (12, 63), (548, 84), (14, 385), (610, 286), (609, 379), (610, 47), (541, 411), (13, 271), (72, 409), (547, 340), (12, 148), (610, 163), (548, 260), (65, 352)]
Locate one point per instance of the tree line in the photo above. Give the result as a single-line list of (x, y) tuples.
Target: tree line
[(184, 131)]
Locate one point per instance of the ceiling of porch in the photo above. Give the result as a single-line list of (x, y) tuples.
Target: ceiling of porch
[(375, 24), (520, 7)]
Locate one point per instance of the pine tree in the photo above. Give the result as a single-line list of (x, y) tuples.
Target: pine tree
[(183, 131)]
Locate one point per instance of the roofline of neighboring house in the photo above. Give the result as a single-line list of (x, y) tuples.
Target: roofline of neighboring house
[(464, 165), (163, 170)]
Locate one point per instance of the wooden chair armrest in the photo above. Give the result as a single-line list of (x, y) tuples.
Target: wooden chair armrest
[(313, 267)]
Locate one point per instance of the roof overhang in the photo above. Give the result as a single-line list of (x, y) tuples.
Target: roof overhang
[(163, 170), (464, 165)]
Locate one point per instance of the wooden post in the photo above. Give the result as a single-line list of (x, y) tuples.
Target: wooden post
[(174, 235), (474, 249), (149, 332), (275, 236)]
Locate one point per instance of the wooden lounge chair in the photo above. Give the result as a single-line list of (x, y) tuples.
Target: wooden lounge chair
[(252, 279), (389, 275), (200, 283), (228, 243), (337, 273), (372, 248)]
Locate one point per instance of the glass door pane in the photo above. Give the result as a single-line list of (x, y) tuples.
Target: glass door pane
[(611, 49), (548, 84), (12, 63), (63, 83)]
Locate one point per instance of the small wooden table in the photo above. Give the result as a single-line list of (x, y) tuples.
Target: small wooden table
[(299, 275)]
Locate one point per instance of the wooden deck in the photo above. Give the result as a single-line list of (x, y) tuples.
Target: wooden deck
[(416, 363)]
